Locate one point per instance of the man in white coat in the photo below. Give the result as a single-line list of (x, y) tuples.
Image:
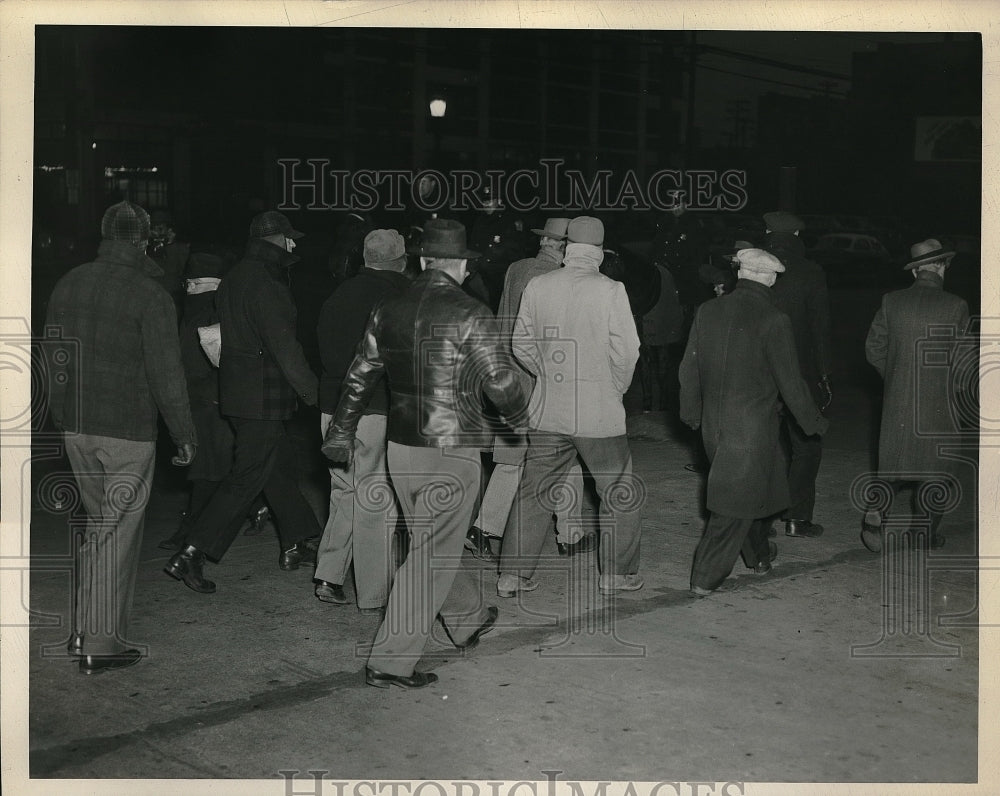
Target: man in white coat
[(576, 334)]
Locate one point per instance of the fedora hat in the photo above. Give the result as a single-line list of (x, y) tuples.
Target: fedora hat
[(927, 251), (555, 228), (783, 221), (444, 238)]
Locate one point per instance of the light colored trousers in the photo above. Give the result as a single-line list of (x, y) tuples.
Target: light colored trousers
[(115, 477), (502, 489), (362, 521), (437, 489)]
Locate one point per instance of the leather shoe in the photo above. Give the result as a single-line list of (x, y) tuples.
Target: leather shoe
[(700, 591), (763, 567), (187, 566), (302, 552), (95, 664), (330, 593), (473, 641), (803, 529), (383, 680), (477, 542), (75, 646), (256, 521), (584, 544), (871, 531)]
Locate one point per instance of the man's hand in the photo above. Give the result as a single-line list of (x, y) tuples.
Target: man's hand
[(824, 386), (185, 454), (339, 453)]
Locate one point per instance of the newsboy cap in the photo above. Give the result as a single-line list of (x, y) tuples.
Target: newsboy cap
[(127, 222), (927, 252), (759, 261), (555, 228), (271, 222), (383, 246), (782, 221), (586, 229)]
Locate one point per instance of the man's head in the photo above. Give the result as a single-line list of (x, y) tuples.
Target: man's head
[(275, 228), (553, 235), (783, 221), (491, 202), (126, 222), (161, 226), (385, 250), (587, 230), (758, 266), (929, 255), (442, 247)]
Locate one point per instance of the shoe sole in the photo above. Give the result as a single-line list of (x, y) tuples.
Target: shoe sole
[(331, 600), (615, 589), (103, 669), (389, 683), (872, 540), (513, 592)]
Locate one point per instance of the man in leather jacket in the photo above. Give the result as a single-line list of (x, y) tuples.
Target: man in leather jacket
[(441, 352)]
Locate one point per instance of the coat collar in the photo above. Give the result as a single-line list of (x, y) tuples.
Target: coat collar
[(268, 253), (123, 253), (394, 278), (436, 276), (928, 279), (753, 288)]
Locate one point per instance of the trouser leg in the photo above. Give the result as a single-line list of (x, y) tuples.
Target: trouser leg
[(569, 513), (716, 552), (336, 546), (610, 463), (294, 517), (437, 490), (548, 459), (755, 548), (805, 457), (498, 499)]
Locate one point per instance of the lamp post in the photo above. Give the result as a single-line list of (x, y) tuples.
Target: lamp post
[(438, 108)]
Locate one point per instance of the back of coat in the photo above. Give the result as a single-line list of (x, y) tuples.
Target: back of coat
[(913, 342), (739, 366)]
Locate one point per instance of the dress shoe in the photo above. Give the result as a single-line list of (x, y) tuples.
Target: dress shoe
[(75, 646), (372, 611), (95, 664), (477, 542), (383, 680), (803, 529), (700, 591), (509, 585), (609, 584), (871, 531), (302, 552), (256, 521), (584, 544), (187, 566), (473, 641), (330, 593), (763, 567)]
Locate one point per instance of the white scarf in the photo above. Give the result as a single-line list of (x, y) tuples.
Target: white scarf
[(203, 284), (583, 255)]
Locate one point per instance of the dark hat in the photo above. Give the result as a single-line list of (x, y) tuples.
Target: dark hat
[(383, 246), (758, 260), (203, 264), (926, 252), (782, 221), (586, 229), (739, 246), (271, 222), (444, 238), (125, 221), (555, 228), (713, 275)]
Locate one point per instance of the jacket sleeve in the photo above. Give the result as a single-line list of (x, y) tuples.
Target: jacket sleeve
[(794, 391), (877, 342), (690, 379), (523, 340), (624, 340), (58, 369), (276, 314), (359, 383), (161, 351), (502, 383)]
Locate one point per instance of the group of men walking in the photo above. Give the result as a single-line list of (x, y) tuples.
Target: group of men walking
[(418, 379)]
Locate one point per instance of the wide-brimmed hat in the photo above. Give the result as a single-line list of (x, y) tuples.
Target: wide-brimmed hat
[(783, 221), (271, 222), (714, 275), (383, 246), (586, 229), (928, 251), (127, 222), (444, 238), (202, 265), (555, 228), (758, 260)]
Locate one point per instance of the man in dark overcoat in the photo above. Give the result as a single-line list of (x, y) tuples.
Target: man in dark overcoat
[(913, 342), (801, 294), (739, 366), (263, 374)]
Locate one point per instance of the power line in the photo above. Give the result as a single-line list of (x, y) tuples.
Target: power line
[(811, 89), (757, 59)]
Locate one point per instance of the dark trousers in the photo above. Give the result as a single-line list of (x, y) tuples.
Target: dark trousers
[(723, 539), (264, 459), (541, 493), (805, 453), (908, 502)]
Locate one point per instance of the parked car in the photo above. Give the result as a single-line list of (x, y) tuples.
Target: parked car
[(852, 258)]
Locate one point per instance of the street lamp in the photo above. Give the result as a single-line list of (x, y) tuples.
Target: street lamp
[(438, 107)]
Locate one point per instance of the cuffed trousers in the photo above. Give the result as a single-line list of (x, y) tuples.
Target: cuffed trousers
[(724, 539)]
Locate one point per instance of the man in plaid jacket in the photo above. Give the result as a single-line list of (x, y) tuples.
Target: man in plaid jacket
[(120, 365), (262, 375)]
